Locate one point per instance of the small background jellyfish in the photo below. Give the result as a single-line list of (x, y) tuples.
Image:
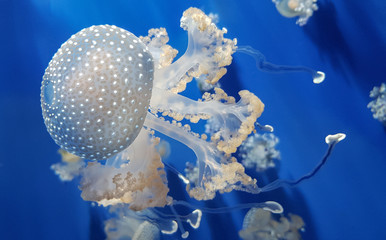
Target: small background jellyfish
[(296, 8), (260, 224), (144, 225), (69, 167), (35, 205), (258, 151), (127, 225), (378, 105)]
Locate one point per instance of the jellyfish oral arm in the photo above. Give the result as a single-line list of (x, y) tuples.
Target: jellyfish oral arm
[(207, 54), (167, 78), (236, 119), (216, 172), (136, 177), (170, 76), (205, 155), (166, 101)]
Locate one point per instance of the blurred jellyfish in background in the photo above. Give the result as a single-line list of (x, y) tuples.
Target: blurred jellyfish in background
[(107, 92), (70, 166), (296, 8), (378, 105), (126, 225), (260, 224), (145, 225), (258, 151)]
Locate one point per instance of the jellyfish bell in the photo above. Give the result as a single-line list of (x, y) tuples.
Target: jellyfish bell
[(96, 91)]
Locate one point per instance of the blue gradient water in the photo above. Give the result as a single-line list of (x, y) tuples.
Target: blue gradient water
[(345, 39)]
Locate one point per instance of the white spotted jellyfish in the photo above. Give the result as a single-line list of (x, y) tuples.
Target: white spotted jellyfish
[(106, 90), (105, 93)]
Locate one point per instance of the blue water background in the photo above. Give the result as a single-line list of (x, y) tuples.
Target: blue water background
[(345, 39)]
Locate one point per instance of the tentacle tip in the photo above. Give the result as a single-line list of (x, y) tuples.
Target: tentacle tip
[(185, 235), (273, 207), (195, 218), (184, 179), (335, 138), (268, 128), (319, 77), (171, 229)]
